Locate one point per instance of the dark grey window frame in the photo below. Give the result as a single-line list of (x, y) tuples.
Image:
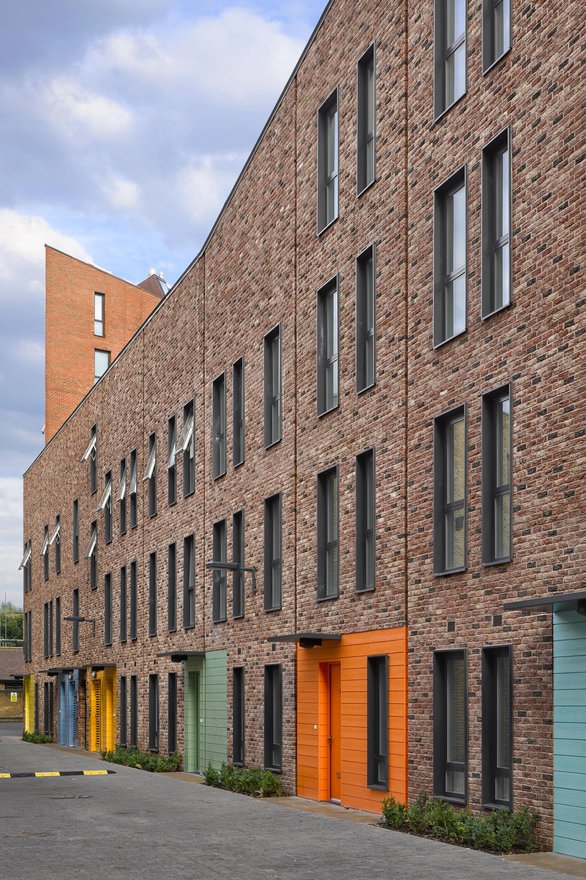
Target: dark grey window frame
[(489, 57), (172, 713), (153, 712), (238, 715), (440, 505), (489, 488), (93, 559), (238, 553), (133, 495), (58, 544), (189, 453), (46, 630), (442, 51), (456, 181), (123, 711), (75, 623), (273, 556), (363, 136), (152, 481), (325, 361), (108, 609), (440, 763), (273, 397), (365, 580), (324, 221), (172, 460), (238, 413), (377, 722), (94, 461), (122, 501), (219, 426), (133, 628), (46, 553), (490, 769), (189, 582), (172, 587), (273, 717), (100, 297), (133, 737), (153, 593), (489, 241), (58, 626), (363, 332), (220, 576), (75, 529), (123, 603), (108, 525), (324, 546)]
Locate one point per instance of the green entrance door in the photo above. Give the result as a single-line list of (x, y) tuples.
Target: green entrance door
[(193, 720)]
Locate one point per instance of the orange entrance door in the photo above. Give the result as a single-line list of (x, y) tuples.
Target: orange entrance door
[(335, 732)]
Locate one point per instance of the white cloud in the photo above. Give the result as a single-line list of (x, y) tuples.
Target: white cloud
[(122, 193), (11, 544), (203, 184), (82, 113)]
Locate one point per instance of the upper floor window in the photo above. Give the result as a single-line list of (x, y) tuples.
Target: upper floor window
[(497, 439), (365, 521), (172, 460), (327, 162), (219, 576), (108, 609), (450, 53), (186, 445), (75, 624), (272, 553), (496, 31), (449, 540), (75, 530), (238, 557), (91, 455), (327, 347), (449, 302), (189, 582), (56, 540), (365, 172), (45, 554), (150, 474), (101, 363), (92, 555), (99, 300), (365, 320), (106, 505), (496, 225), (172, 587), (26, 566), (152, 594), (238, 412), (133, 490), (272, 390), (122, 492), (327, 534), (219, 426)]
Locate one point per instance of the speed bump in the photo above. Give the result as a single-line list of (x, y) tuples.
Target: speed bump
[(50, 773)]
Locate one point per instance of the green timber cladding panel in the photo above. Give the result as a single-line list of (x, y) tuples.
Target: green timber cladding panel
[(569, 697), (205, 711)]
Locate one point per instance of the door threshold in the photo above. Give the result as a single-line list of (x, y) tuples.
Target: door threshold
[(336, 801)]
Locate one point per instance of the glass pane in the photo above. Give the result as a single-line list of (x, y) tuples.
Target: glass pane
[(332, 141), (455, 307), (454, 527), (369, 560), (332, 324), (369, 360), (456, 237), (370, 99), (502, 788), (501, 276), (331, 571), (455, 74), (503, 711), (276, 364), (498, 35), (369, 293), (332, 200), (506, 25), (455, 723), (503, 441), (501, 195), (455, 20), (332, 509), (455, 461), (101, 362), (502, 534)]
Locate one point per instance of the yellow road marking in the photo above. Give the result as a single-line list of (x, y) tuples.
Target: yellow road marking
[(95, 772), (49, 773), (4, 775)]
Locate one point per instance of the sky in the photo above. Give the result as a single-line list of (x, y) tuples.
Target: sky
[(124, 124)]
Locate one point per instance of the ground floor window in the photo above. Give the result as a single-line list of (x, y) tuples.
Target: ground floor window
[(133, 711), (497, 725), (238, 715), (172, 714), (154, 713), (449, 724), (273, 717), (123, 724), (378, 722)]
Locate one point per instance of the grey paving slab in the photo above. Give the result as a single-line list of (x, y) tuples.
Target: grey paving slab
[(137, 826)]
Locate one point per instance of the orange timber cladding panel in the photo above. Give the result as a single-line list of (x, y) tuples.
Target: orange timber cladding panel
[(351, 652)]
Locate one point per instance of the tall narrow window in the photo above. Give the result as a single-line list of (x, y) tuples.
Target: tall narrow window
[(238, 716), (46, 630), (378, 722), (238, 412), (496, 31), (327, 162), (123, 719), (108, 609), (496, 225), (219, 588), (56, 540), (450, 725), (273, 756), (172, 713), (172, 588), (153, 713), (327, 534), (92, 555), (219, 426), (449, 304), (496, 476), (99, 314), (123, 604), (497, 726), (327, 347), (26, 565), (133, 600), (106, 505), (91, 455), (150, 474), (272, 553), (58, 626), (45, 553), (122, 493), (75, 623), (186, 445), (133, 711), (450, 53), (272, 392), (133, 490), (366, 96), (51, 629), (189, 582), (101, 363), (365, 521), (450, 492), (75, 530), (365, 320), (152, 594), (172, 460), (238, 557)]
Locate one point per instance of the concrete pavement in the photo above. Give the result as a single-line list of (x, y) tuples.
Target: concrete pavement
[(138, 826)]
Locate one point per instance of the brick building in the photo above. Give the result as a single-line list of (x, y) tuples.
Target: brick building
[(361, 399)]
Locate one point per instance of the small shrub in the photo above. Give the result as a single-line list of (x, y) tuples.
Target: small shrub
[(245, 780), (394, 814), (153, 763), (34, 737)]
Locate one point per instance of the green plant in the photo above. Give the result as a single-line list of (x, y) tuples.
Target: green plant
[(34, 737), (245, 780), (394, 813), (153, 763)]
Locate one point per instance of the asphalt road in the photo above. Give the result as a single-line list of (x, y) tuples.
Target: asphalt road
[(139, 826)]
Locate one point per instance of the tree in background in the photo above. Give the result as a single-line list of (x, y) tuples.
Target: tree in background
[(10, 622)]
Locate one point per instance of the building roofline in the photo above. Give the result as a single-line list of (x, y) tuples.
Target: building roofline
[(99, 269), (215, 225)]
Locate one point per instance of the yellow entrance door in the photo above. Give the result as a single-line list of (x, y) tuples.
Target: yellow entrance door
[(108, 710), (96, 713), (29, 703)]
